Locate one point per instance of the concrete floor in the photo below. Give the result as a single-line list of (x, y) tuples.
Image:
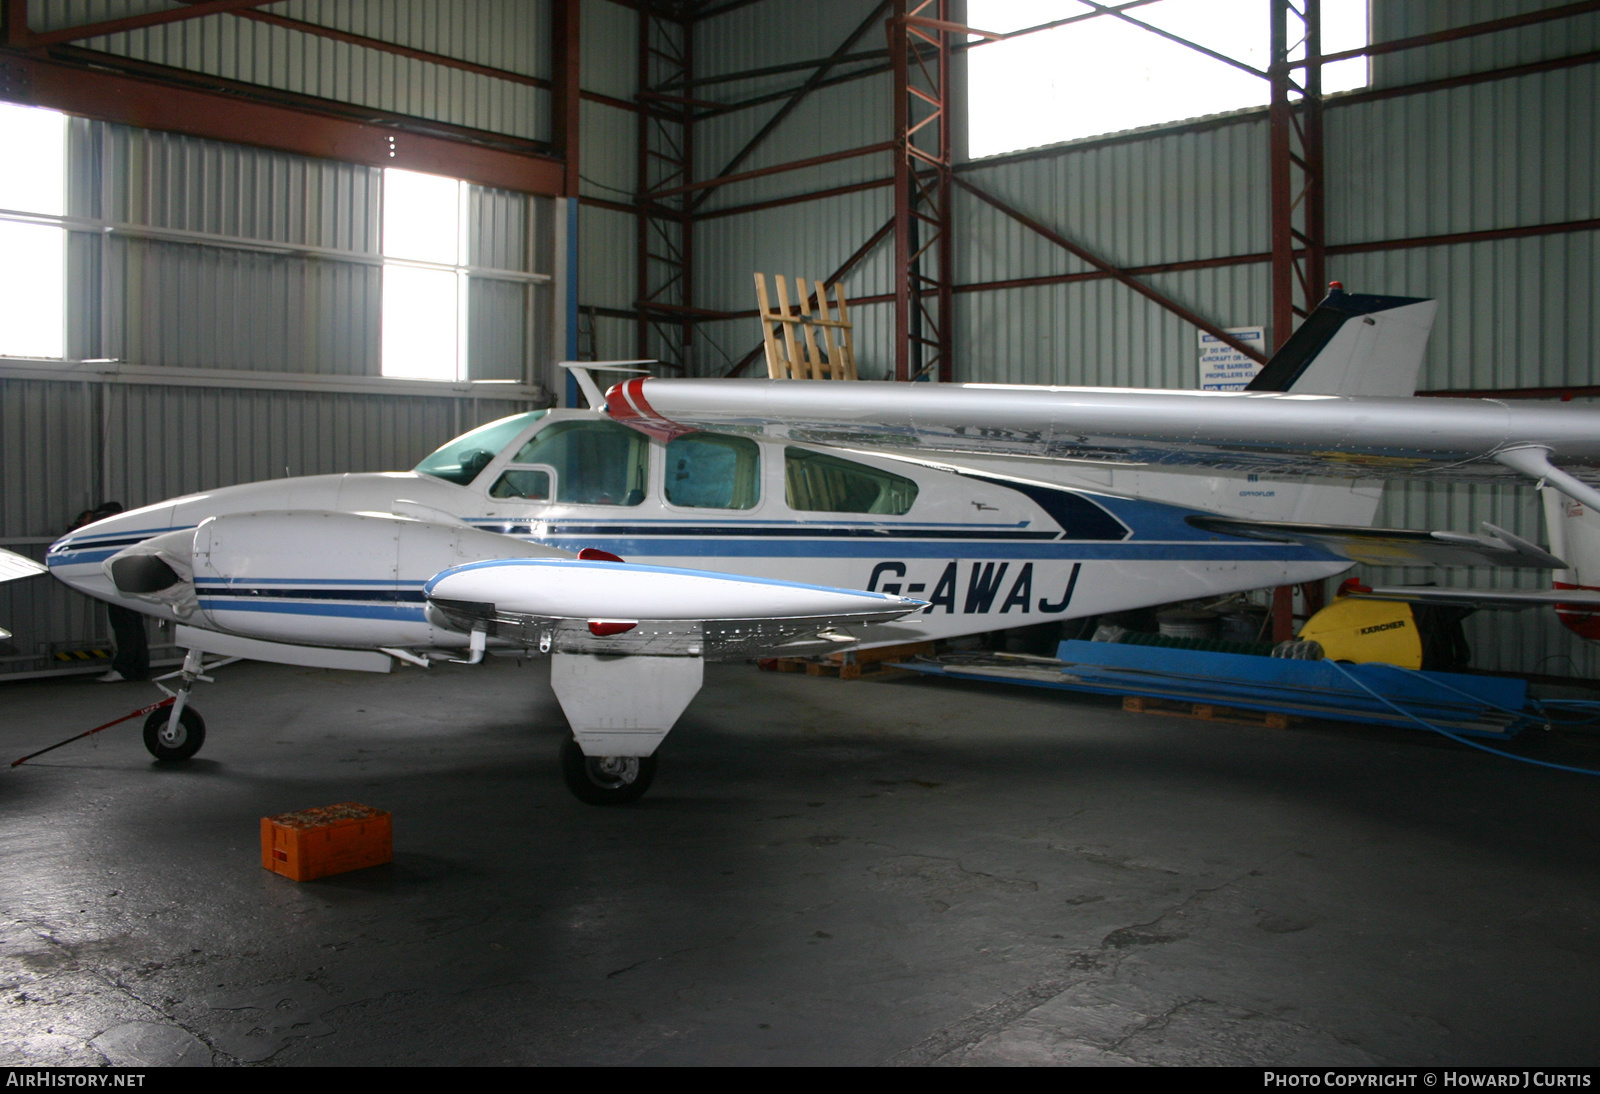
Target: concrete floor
[(909, 872)]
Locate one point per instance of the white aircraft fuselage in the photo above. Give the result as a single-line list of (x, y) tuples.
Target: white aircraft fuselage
[(986, 550)]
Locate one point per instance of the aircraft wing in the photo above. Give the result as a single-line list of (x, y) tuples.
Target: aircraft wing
[(1395, 546), (712, 639), (1493, 599), (14, 566), (1275, 433)]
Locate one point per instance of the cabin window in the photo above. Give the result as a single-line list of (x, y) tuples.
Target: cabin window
[(817, 483), (461, 460), (524, 484), (596, 463), (706, 471)]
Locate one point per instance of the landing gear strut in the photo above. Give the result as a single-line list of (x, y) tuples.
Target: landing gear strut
[(177, 732), (604, 780)]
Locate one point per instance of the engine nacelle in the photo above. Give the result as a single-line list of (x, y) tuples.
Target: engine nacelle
[(310, 577)]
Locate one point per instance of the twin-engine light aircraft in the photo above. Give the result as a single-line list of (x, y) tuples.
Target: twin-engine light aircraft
[(681, 521)]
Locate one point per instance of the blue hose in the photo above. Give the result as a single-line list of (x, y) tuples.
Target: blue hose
[(1348, 675), (1544, 707)]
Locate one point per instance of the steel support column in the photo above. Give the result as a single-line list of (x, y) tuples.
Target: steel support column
[(665, 250), (920, 34), (564, 128), (1299, 273)]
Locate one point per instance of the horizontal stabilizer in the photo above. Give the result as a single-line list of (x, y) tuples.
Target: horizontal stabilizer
[(1506, 600), (1396, 546)]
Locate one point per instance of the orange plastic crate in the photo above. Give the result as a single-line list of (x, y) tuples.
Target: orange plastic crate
[(331, 839)]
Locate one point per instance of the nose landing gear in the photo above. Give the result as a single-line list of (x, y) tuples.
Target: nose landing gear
[(176, 733), (170, 742)]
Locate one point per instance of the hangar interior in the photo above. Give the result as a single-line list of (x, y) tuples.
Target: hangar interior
[(233, 247)]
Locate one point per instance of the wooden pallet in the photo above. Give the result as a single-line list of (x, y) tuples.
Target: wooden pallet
[(851, 665), (818, 666), (1208, 712), (791, 335)]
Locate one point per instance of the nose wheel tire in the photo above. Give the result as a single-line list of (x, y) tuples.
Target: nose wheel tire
[(603, 780), (189, 734)]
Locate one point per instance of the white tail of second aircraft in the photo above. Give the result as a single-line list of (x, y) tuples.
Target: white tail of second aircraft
[(1574, 530), (1353, 344)]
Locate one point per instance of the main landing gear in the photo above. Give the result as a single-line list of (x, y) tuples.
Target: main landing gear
[(605, 780)]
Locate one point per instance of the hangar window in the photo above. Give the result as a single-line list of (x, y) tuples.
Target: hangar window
[(817, 483), (33, 199), (1101, 73), (705, 471), (424, 276), (596, 463)]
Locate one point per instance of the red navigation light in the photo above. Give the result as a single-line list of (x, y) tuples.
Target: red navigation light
[(605, 628), (595, 554)]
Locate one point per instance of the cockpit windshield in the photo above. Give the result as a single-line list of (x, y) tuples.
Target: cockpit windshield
[(461, 460)]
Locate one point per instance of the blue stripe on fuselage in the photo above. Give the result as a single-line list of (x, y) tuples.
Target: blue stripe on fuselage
[(79, 558), (392, 612), (671, 546)]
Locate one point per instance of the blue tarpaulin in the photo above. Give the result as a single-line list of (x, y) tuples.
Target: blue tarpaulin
[(1488, 706)]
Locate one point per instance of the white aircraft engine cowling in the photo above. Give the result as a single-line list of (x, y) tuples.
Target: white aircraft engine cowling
[(334, 579), (615, 590)]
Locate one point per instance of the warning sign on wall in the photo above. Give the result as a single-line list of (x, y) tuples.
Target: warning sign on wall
[(1223, 368)]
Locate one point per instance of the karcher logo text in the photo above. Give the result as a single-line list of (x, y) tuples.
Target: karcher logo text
[(1376, 627)]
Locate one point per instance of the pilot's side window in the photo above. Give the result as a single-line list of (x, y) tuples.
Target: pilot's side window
[(596, 463), (817, 483), (706, 471), (522, 483)]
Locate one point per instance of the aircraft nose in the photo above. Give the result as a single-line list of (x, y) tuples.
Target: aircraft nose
[(76, 558)]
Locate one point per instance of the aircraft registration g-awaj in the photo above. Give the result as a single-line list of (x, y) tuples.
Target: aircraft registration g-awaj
[(769, 517)]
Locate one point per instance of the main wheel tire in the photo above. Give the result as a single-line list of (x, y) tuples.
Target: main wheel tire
[(605, 780), (190, 736)]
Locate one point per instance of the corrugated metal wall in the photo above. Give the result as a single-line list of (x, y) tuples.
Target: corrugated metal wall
[(507, 34), (805, 240), (607, 257), (1495, 154)]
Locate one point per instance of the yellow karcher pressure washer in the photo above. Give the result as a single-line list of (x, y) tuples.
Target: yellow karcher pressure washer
[(1367, 630)]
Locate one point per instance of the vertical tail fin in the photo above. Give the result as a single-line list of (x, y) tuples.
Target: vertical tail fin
[(1353, 344)]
